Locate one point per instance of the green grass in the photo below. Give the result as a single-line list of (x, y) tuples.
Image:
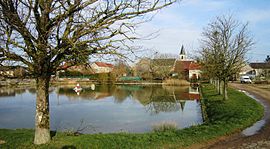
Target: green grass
[(224, 117)]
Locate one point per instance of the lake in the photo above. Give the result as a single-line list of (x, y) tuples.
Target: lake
[(104, 108)]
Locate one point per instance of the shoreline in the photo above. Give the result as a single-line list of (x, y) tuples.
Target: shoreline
[(31, 82)]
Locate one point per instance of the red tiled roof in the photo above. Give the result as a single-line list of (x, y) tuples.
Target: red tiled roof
[(102, 64), (181, 65), (64, 66), (194, 66)]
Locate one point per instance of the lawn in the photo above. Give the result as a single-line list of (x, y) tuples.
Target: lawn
[(223, 118)]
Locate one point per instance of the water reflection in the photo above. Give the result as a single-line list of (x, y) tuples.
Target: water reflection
[(105, 108), (11, 91), (155, 98)]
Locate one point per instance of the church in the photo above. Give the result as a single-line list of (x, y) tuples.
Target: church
[(186, 68)]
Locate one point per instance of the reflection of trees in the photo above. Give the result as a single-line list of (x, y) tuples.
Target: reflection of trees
[(32, 90), (175, 89), (162, 104), (20, 90), (162, 101), (120, 94), (7, 92), (144, 95), (178, 92), (156, 99), (11, 91), (100, 92), (85, 94)]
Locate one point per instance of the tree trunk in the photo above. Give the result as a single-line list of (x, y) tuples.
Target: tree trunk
[(225, 93), (218, 86), (42, 124), (211, 81), (221, 91)]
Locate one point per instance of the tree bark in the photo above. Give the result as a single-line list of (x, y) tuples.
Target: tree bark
[(218, 86), (225, 93), (221, 88), (42, 124)]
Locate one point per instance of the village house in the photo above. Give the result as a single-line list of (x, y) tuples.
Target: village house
[(161, 68), (83, 70), (247, 69), (101, 67), (93, 68), (186, 68), (260, 69)]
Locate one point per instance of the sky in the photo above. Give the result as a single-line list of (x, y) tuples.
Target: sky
[(183, 23)]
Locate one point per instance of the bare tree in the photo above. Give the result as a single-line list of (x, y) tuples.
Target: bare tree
[(225, 44), (162, 64), (121, 68), (41, 35)]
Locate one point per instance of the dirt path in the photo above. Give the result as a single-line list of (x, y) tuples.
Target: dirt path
[(259, 140)]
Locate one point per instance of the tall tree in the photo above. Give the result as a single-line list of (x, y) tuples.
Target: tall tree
[(41, 35), (162, 64), (225, 43), (121, 68)]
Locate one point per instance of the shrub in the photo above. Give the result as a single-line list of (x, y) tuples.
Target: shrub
[(164, 126), (176, 82)]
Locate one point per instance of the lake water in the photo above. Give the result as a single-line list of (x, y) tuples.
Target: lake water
[(118, 108)]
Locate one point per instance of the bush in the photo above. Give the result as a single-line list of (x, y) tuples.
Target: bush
[(164, 126), (70, 74), (176, 82)]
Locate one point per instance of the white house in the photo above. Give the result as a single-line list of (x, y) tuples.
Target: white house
[(260, 69), (101, 67)]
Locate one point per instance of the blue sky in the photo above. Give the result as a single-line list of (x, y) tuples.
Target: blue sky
[(183, 23)]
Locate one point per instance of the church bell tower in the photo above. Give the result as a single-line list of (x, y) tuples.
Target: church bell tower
[(182, 54)]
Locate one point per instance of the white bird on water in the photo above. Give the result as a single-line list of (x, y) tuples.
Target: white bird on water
[(77, 89)]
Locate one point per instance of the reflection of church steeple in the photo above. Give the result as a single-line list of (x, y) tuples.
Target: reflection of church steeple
[(182, 104), (182, 54)]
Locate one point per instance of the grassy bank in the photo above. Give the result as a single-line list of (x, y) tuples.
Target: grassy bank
[(224, 117)]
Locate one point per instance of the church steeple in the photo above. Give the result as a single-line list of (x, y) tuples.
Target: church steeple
[(182, 54)]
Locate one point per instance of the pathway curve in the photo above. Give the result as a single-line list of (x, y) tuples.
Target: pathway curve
[(259, 140)]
